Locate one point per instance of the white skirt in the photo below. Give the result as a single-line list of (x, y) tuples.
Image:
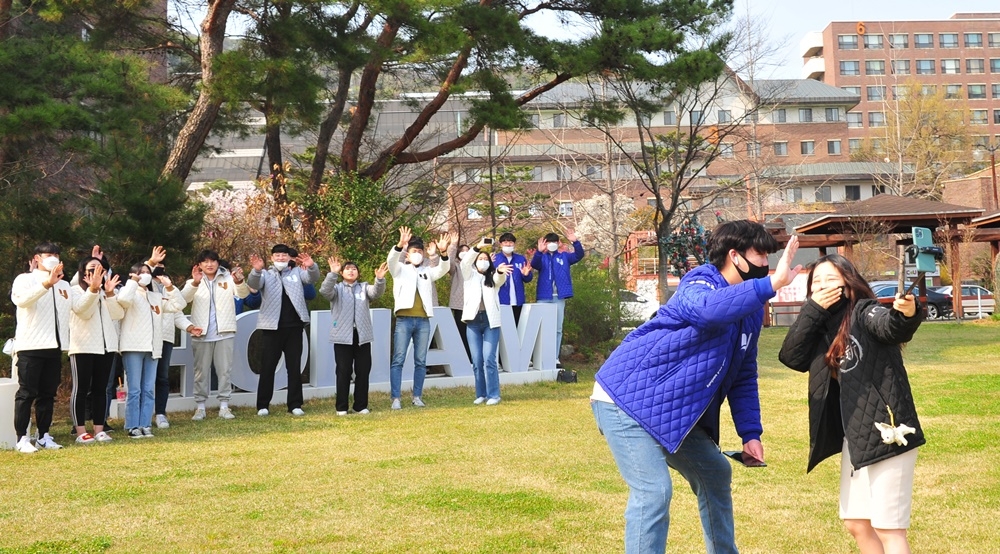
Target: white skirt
[(881, 492)]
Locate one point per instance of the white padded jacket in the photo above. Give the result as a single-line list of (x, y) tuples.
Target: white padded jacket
[(92, 323), (142, 326)]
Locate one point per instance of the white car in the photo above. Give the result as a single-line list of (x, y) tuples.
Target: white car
[(975, 299), (636, 307)]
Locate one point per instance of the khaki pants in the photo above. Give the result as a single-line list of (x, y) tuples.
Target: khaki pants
[(206, 354)]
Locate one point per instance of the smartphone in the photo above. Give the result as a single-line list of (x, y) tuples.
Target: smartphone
[(487, 241), (744, 459)]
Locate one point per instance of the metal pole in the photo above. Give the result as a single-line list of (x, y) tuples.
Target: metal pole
[(993, 168)]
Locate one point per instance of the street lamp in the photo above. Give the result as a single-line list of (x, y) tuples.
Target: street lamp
[(992, 148)]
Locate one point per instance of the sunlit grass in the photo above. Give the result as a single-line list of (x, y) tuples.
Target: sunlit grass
[(529, 475)]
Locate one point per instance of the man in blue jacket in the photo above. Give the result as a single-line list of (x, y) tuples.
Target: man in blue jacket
[(555, 284), (511, 292), (657, 398)]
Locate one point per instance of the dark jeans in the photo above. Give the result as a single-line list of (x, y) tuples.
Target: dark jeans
[(357, 359), (457, 314), (38, 379), (163, 380), (90, 379), (287, 341)]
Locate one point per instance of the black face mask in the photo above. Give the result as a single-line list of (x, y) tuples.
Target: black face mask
[(753, 271)]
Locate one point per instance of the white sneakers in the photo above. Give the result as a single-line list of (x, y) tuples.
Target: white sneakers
[(102, 437), (24, 445), (226, 413), (262, 412), (85, 438), (47, 442), (341, 413), (365, 411), (492, 401), (199, 414), (396, 405), (297, 412), (479, 400), (161, 421), (418, 402)]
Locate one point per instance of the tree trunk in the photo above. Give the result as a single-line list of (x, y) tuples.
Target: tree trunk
[(199, 124), (663, 230), (5, 7), (276, 166)]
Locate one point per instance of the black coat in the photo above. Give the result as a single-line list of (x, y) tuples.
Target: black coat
[(871, 374)]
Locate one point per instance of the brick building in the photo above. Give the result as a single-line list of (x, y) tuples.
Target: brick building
[(871, 58)]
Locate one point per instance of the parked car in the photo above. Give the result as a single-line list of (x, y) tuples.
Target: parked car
[(975, 299), (938, 305), (636, 307)]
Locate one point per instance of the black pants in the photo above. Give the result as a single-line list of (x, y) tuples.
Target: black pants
[(90, 380), (287, 341), (357, 359), (38, 379), (162, 387), (457, 314)]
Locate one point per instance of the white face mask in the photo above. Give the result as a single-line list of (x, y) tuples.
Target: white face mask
[(416, 258), (145, 279), (461, 256), (280, 266), (552, 246), (508, 250), (50, 263), (482, 265)]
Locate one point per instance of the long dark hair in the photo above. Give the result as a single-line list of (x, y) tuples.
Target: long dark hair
[(855, 288), (82, 270), (137, 269), (488, 274)]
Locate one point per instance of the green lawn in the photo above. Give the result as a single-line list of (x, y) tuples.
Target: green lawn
[(529, 475)]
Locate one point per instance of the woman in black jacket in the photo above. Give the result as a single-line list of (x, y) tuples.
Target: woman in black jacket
[(860, 402)]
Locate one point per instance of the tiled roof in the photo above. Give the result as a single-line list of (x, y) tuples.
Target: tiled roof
[(801, 91)]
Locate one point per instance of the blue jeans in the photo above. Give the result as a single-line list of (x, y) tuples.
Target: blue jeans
[(140, 376), (645, 466), (417, 329), (483, 344), (560, 316)]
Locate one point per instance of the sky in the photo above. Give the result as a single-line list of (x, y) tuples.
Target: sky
[(792, 19)]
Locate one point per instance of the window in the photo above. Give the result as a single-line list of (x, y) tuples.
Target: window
[(535, 120), (898, 92), (626, 171), (995, 65), (536, 173), (725, 116), (823, 194), (876, 119), (833, 147), (593, 171), (645, 119), (875, 67), (669, 117), (850, 68), (473, 213), (535, 210), (852, 90), (876, 93), (726, 150), (473, 175), (994, 39), (781, 148), (900, 67), (833, 114), (753, 149), (565, 208), (878, 189), (722, 201), (807, 147), (563, 173), (899, 41), (973, 40), (854, 145), (855, 120), (925, 67), (979, 117), (780, 116), (805, 115), (852, 192), (950, 66), (923, 40), (697, 117), (996, 90), (980, 141), (503, 210), (975, 66), (559, 120), (793, 195), (873, 42), (847, 42), (996, 117), (977, 92), (948, 40), (752, 116), (928, 90), (953, 91)]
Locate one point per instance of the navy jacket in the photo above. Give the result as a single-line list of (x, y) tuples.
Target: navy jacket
[(701, 347), (554, 267), (515, 279)]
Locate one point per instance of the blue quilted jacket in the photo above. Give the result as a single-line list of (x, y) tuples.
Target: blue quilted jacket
[(554, 266), (512, 290), (700, 348)]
